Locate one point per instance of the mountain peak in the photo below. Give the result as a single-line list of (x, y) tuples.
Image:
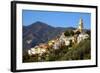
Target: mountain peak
[(39, 23), (40, 32)]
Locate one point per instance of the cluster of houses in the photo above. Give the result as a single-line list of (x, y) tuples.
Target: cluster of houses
[(61, 41)]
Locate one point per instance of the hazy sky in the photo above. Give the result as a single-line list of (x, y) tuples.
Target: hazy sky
[(56, 19)]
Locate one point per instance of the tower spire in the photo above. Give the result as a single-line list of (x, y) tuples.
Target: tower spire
[(80, 25)]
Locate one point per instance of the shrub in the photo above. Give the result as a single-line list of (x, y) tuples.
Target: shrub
[(69, 33), (79, 52)]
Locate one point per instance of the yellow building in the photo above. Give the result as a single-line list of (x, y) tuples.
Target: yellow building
[(50, 43)]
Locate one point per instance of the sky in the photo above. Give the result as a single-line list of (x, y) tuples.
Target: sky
[(56, 19)]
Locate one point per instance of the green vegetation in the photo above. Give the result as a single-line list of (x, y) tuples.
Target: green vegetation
[(81, 51), (69, 33), (78, 51)]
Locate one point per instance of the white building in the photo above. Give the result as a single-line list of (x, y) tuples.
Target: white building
[(57, 45), (38, 50), (81, 37), (66, 39)]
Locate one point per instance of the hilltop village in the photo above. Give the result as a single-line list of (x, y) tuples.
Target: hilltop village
[(63, 40)]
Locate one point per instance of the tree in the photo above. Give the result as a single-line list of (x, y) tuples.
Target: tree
[(78, 32), (81, 51), (69, 33)]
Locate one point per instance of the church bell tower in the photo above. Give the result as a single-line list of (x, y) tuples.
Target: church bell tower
[(80, 27)]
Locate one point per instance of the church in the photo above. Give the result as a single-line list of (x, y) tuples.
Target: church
[(79, 32), (80, 27)]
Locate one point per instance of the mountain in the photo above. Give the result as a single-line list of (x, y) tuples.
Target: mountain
[(40, 32)]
